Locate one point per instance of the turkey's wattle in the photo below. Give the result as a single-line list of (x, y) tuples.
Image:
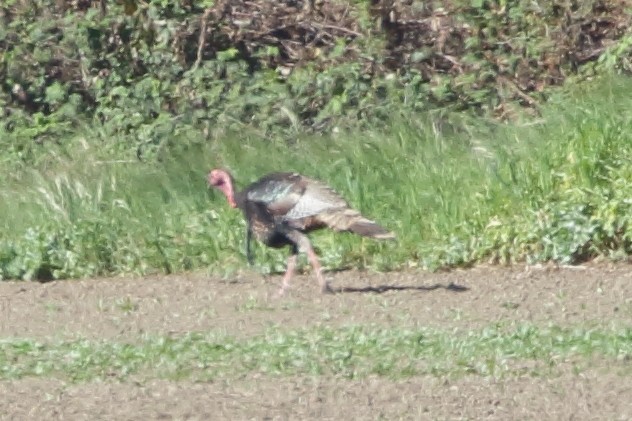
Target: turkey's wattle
[(281, 208)]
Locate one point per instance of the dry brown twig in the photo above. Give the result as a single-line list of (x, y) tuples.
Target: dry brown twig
[(202, 38)]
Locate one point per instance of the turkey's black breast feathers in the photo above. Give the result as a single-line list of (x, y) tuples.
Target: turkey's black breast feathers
[(264, 225)]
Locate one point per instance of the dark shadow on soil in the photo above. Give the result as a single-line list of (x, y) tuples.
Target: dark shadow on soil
[(304, 272), (385, 288)]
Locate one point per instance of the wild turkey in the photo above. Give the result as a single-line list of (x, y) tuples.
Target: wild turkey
[(281, 208)]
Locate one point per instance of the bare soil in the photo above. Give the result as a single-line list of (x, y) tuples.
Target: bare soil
[(126, 309)]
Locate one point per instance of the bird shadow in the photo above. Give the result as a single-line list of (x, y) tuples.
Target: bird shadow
[(303, 272), (380, 289)]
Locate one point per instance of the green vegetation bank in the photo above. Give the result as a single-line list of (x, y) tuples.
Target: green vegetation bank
[(477, 130)]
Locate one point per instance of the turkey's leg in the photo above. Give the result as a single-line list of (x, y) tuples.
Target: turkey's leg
[(248, 249), (313, 258), (289, 271), (303, 244)]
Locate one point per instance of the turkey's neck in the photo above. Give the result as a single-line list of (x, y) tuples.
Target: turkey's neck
[(235, 198), (228, 188)]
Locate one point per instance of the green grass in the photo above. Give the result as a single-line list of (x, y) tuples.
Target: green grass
[(455, 191), (349, 352)]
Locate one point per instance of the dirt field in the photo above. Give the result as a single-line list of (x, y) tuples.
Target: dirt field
[(126, 309)]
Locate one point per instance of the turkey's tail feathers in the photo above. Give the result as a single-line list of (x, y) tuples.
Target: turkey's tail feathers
[(368, 228), (351, 220)]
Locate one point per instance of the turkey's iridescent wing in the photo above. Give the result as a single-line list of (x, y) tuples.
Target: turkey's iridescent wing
[(316, 199), (292, 196), (279, 192)]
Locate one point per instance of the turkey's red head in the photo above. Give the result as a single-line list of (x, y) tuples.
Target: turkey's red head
[(222, 181)]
